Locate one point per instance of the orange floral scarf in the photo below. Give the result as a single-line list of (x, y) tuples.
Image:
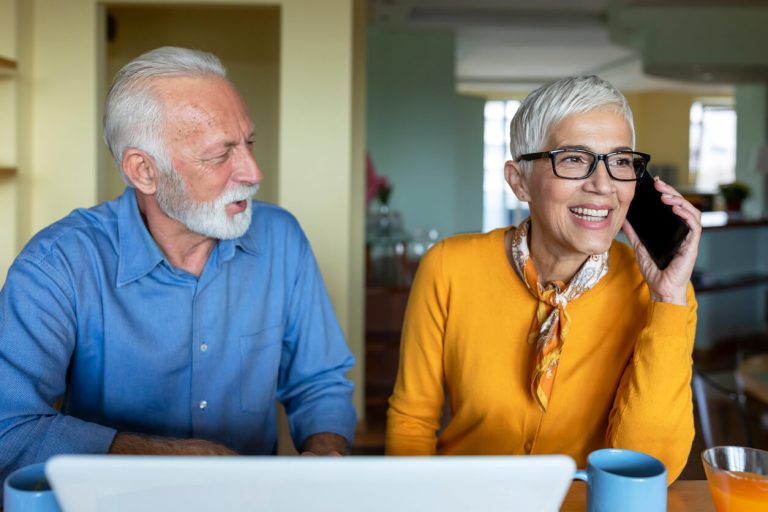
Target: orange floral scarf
[(550, 327)]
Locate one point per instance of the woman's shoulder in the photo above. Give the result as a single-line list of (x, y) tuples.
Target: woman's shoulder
[(474, 241), (622, 264), (465, 259), (622, 252), (470, 245)]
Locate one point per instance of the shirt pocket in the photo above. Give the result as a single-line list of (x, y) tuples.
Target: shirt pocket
[(259, 369)]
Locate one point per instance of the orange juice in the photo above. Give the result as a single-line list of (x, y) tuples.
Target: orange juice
[(737, 491)]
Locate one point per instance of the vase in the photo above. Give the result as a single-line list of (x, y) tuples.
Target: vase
[(386, 242), (733, 205)]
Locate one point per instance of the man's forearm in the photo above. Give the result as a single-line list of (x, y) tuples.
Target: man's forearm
[(135, 444)]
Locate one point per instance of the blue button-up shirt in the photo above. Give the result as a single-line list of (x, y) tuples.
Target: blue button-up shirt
[(93, 313)]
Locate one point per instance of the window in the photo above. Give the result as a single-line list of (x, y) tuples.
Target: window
[(712, 144), (500, 206)]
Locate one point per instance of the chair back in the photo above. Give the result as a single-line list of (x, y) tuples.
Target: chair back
[(721, 409)]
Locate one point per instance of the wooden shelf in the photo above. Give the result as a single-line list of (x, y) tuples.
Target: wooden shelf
[(7, 66), (7, 171)]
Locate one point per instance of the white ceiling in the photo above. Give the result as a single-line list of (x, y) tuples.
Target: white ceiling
[(516, 45)]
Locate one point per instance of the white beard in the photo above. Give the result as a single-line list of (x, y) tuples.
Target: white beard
[(207, 218)]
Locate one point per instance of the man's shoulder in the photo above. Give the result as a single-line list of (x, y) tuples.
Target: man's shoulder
[(80, 229), (270, 221), (272, 212)]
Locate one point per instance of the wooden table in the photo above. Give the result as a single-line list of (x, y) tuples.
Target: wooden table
[(683, 496), (752, 375)]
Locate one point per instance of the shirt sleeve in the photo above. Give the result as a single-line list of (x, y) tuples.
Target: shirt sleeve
[(37, 338), (653, 409), (415, 407), (312, 384)]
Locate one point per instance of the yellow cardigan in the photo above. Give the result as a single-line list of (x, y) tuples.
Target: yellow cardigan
[(623, 379)]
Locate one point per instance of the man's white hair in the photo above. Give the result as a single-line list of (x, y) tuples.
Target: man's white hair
[(551, 103), (134, 114)]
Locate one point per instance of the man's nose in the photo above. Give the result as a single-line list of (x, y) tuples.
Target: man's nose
[(247, 169)]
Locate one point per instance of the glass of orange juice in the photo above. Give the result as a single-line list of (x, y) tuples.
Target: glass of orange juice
[(737, 477)]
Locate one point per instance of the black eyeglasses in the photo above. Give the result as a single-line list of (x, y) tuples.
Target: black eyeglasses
[(579, 164)]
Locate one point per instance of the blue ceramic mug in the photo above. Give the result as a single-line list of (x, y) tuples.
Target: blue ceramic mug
[(27, 490), (624, 480)]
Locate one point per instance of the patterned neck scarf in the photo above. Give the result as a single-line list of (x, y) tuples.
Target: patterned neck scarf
[(551, 325)]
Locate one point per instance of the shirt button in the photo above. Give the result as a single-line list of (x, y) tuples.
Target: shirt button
[(203, 404), (527, 447), (203, 347)]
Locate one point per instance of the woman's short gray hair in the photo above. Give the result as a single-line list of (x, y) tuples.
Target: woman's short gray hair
[(133, 116), (551, 103)]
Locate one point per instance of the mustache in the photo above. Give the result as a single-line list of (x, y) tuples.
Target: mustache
[(239, 193)]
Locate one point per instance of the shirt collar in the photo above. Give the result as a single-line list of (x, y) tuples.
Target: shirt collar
[(139, 254), (247, 242)]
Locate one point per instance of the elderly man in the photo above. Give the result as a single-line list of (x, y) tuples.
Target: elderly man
[(170, 320)]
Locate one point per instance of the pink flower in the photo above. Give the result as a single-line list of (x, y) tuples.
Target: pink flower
[(377, 186)]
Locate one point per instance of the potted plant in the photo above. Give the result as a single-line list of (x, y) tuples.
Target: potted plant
[(734, 194)]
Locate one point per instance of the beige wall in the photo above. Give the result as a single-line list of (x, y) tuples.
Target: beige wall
[(318, 162), (662, 123), (8, 128), (355, 320)]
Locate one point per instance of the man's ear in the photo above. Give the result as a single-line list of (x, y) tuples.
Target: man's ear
[(140, 170), (516, 178)]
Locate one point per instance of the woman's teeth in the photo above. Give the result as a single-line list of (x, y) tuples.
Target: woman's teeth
[(590, 214)]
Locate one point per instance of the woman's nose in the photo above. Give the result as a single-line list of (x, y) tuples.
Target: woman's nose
[(601, 180)]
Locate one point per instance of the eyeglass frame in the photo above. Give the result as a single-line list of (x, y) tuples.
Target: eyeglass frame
[(597, 158)]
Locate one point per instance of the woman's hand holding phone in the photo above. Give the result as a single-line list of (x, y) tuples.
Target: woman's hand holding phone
[(670, 284)]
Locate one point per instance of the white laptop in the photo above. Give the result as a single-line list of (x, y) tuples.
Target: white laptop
[(89, 483)]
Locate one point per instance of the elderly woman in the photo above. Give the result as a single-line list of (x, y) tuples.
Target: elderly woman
[(552, 337)]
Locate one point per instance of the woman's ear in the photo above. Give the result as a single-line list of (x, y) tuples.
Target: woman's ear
[(140, 170), (516, 178)]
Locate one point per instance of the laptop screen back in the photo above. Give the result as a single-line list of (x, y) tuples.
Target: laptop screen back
[(89, 483)]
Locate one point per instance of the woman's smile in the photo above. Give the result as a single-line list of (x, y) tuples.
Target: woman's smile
[(590, 214)]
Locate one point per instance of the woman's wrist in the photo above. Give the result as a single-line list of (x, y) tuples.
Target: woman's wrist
[(680, 299)]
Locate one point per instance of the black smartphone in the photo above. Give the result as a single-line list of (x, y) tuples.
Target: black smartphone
[(657, 226)]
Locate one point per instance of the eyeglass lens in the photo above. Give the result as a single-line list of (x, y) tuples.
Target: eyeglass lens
[(578, 164)]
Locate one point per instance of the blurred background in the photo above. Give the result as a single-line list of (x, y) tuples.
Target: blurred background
[(382, 125)]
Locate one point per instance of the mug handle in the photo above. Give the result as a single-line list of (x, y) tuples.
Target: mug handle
[(581, 475)]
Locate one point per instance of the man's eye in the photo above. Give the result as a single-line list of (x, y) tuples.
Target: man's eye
[(221, 157)]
